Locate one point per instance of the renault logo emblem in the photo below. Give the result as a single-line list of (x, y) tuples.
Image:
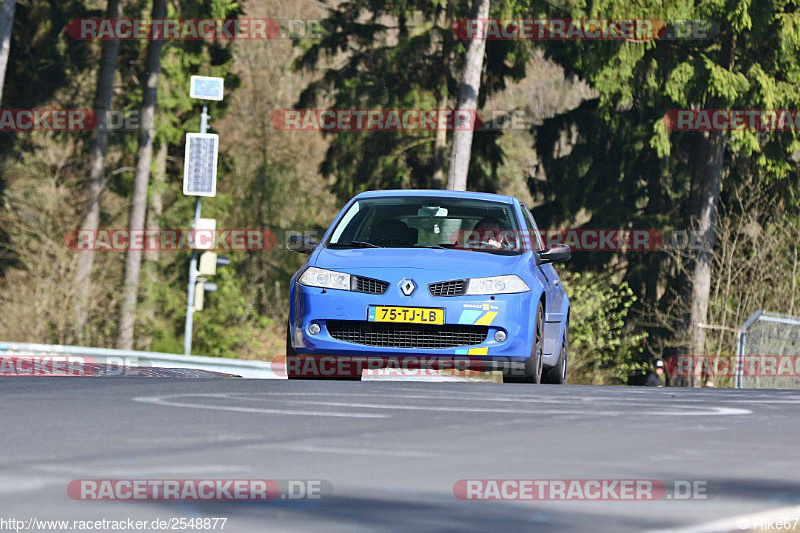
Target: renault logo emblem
[(407, 286)]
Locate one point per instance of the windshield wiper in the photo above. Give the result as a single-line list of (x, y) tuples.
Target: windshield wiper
[(354, 244), (436, 246)]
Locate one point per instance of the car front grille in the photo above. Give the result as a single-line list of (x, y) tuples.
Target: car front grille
[(422, 336), (448, 288), (370, 286)]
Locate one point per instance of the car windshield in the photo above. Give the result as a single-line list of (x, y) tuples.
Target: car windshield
[(429, 222)]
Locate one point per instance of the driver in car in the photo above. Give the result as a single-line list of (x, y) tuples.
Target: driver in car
[(491, 233)]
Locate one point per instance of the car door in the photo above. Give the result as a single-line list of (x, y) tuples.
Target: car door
[(553, 314)]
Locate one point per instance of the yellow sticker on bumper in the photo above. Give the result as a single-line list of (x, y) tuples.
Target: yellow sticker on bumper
[(486, 320)]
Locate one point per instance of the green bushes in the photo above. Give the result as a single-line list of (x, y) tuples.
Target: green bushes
[(603, 348)]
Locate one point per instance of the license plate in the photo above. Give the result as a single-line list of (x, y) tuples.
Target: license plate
[(406, 315)]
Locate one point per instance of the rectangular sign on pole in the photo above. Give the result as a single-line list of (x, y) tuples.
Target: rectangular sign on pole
[(200, 164), (206, 88)]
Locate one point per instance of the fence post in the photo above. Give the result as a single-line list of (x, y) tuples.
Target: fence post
[(741, 336)]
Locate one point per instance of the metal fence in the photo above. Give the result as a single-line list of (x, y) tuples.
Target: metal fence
[(238, 367), (768, 352)]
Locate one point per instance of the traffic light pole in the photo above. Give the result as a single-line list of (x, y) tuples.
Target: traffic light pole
[(187, 331)]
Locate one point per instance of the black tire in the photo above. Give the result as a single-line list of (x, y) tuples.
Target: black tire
[(558, 374), (290, 354), (534, 364), (289, 348)]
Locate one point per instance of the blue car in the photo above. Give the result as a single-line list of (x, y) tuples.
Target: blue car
[(433, 277)]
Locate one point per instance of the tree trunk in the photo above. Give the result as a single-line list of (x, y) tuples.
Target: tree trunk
[(467, 101), (440, 144), (707, 162), (97, 159), (154, 211), (6, 23), (156, 208), (653, 265), (133, 257)]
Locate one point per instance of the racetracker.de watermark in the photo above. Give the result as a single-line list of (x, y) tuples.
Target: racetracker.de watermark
[(399, 120), (580, 240), (73, 120), (68, 365), (170, 240), (718, 366), (333, 366), (199, 489), (181, 29), (733, 119), (47, 119), (587, 240), (580, 489), (586, 29)]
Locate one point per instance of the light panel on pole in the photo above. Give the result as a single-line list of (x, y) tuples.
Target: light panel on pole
[(206, 88), (200, 164)]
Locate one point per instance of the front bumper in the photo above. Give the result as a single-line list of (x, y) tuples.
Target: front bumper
[(510, 313)]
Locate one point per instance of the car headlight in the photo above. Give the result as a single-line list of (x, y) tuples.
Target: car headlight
[(327, 279), (496, 285)]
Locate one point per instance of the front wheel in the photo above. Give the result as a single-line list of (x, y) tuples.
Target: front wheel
[(289, 348), (535, 363), (291, 356), (558, 374)]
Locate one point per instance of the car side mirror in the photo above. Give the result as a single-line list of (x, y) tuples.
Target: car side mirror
[(301, 244), (557, 253)]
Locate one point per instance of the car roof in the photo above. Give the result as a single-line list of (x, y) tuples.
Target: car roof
[(440, 193)]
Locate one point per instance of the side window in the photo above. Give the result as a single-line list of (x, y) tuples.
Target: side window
[(532, 229)]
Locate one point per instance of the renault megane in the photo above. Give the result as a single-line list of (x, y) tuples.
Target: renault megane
[(430, 275)]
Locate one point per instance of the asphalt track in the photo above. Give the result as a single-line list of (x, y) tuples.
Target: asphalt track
[(393, 451)]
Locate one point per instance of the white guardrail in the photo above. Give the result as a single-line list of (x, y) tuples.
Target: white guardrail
[(238, 367)]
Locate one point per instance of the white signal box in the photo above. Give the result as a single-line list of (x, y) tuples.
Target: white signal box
[(199, 295), (204, 233), (208, 264)]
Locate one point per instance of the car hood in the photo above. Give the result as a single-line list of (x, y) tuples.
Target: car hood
[(463, 263)]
